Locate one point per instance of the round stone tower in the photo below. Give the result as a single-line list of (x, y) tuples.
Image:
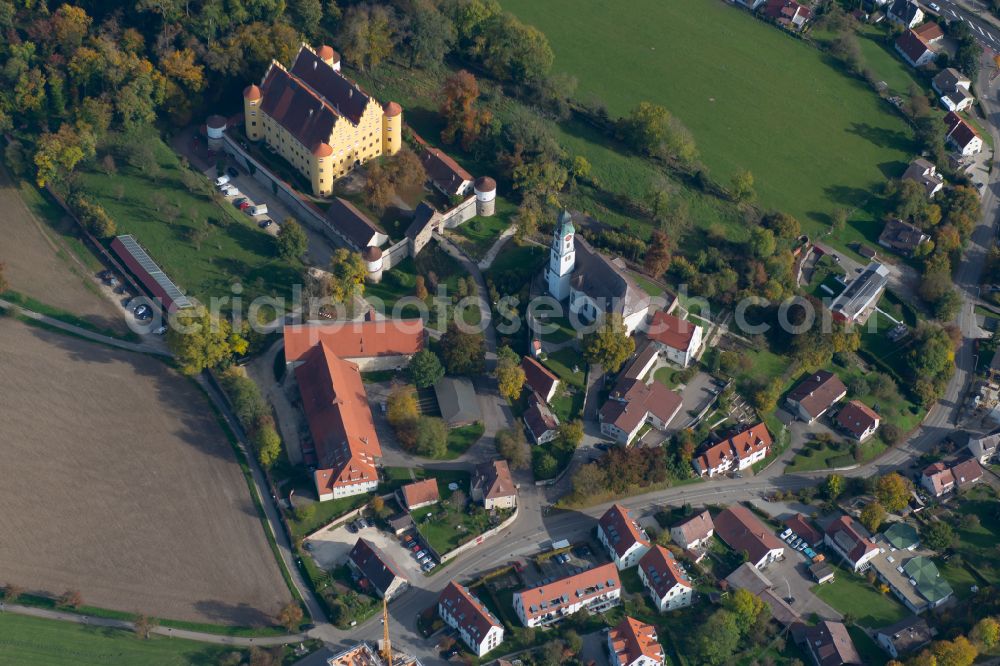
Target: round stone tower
[(321, 169), (486, 196), (392, 128), (253, 118), (373, 263), (329, 56)]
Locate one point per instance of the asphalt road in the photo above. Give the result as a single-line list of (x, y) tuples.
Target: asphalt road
[(984, 26)]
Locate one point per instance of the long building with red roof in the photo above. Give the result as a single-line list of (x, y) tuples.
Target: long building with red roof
[(467, 615), (621, 534), (634, 643), (597, 590), (742, 450), (372, 345)]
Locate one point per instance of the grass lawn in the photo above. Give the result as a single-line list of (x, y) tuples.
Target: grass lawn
[(852, 594), (563, 330), (667, 377), (828, 457), (977, 544), (324, 513), (164, 216), (869, 650), (568, 406), (40, 642), (562, 363), (445, 529), (648, 285), (478, 234), (460, 439), (818, 140), (960, 579)]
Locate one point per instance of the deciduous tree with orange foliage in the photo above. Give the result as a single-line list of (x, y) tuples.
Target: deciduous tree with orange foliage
[(463, 119)]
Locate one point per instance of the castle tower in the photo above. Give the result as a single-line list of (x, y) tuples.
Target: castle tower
[(329, 56), (392, 128), (486, 196), (562, 257), (321, 169), (373, 263), (253, 117)]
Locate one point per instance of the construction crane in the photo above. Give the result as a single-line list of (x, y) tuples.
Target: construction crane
[(386, 648), (996, 68)]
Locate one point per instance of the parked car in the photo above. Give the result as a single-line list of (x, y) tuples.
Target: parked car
[(259, 209), (785, 534), (427, 567), (244, 205), (238, 201), (934, 7), (232, 172), (415, 547), (222, 180), (142, 309), (351, 528), (264, 224), (161, 330)]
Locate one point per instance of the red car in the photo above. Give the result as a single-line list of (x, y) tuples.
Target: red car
[(415, 547), (244, 205)]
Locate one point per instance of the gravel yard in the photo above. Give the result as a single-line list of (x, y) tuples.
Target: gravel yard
[(117, 481)]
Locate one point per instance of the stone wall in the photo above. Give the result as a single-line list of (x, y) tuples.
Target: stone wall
[(477, 541), (460, 214)]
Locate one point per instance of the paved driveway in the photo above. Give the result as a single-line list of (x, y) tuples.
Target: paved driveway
[(330, 548), (695, 396), (790, 577)]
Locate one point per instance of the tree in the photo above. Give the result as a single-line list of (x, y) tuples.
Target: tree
[(510, 375), (378, 186), (986, 633), (143, 625), (762, 244), (290, 616), (743, 186), (59, 153), (833, 487), (957, 652), (69, 27), (432, 35), (405, 169), (432, 437), (544, 464), (609, 345), (200, 340), (457, 500), (719, 638), (366, 34), (570, 434), (872, 516), (292, 240), (464, 353), (589, 480), (893, 492), (266, 656), (657, 258), (746, 608), (425, 368), (70, 599), (347, 275), (938, 535), (401, 406), (574, 644), (267, 442), (463, 120), (308, 14), (420, 288), (12, 592), (512, 445), (529, 214), (646, 127)]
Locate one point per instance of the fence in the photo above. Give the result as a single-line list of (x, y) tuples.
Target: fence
[(455, 552)]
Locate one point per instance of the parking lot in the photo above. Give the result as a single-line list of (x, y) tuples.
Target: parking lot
[(330, 548), (580, 558), (791, 578)]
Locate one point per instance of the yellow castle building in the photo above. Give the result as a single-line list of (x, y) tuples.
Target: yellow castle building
[(320, 121)]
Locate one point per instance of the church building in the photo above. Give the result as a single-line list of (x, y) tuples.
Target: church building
[(591, 282)]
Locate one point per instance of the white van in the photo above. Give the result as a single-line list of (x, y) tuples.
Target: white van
[(259, 209), (221, 180), (230, 191)]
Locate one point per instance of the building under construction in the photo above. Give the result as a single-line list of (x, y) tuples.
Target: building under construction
[(363, 654)]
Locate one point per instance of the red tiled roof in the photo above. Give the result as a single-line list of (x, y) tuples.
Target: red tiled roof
[(637, 400), (468, 610), (621, 530), (538, 417), (715, 455), (929, 32), (801, 526), (571, 589), (912, 46), (743, 531), (495, 479), (340, 421), (856, 418), (633, 639), (696, 527), (444, 171), (751, 441), (968, 471), (818, 392), (392, 109), (671, 331), (663, 571), (538, 378), (846, 534), (420, 492), (959, 131), (356, 339)]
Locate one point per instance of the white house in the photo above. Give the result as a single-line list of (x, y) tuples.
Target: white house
[(593, 284), (381, 572), (678, 338), (845, 537), (744, 533), (962, 135), (634, 643), (906, 13), (622, 536), (597, 590), (914, 49), (954, 89), (694, 531), (984, 449), (744, 449), (905, 637), (668, 584), (467, 615)]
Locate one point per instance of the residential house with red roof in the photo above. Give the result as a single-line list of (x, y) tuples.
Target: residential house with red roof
[(804, 529), (740, 451), (787, 13), (914, 49), (849, 540), (678, 338), (633, 404), (597, 590), (539, 379), (621, 534), (479, 629), (829, 644), (744, 533), (493, 485), (634, 643), (669, 586), (937, 479), (858, 420), (967, 473), (963, 136), (815, 395), (419, 494), (369, 563), (445, 174), (694, 531), (542, 424)]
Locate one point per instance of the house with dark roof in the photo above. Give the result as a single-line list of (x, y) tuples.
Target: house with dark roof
[(456, 396), (369, 563), (984, 449), (858, 420), (787, 13), (953, 89), (858, 300), (963, 136), (445, 174), (738, 452), (596, 590), (667, 582), (633, 404), (849, 540), (924, 173), (901, 536), (634, 643), (967, 473), (693, 532), (815, 395), (541, 423), (829, 644), (749, 578), (539, 379), (493, 485), (419, 494), (621, 534), (906, 637), (319, 121), (905, 12), (355, 228), (478, 628), (744, 533), (901, 237), (425, 222), (678, 338), (914, 49)]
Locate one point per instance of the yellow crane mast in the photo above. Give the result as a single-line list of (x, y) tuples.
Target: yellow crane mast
[(386, 648)]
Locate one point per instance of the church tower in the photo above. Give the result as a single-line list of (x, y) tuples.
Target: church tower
[(562, 257)]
